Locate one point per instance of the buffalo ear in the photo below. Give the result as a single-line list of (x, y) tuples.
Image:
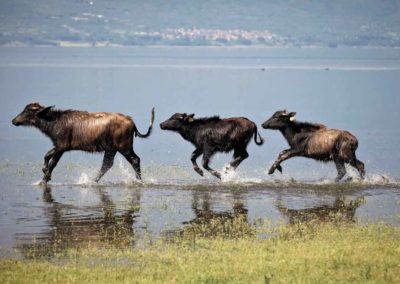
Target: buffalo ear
[(45, 113), (189, 118), (291, 116)]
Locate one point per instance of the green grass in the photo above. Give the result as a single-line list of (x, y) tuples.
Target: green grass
[(312, 253)]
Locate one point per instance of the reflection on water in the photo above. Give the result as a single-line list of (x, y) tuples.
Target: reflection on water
[(44, 221), (230, 222), (339, 211), (104, 226), (62, 217)]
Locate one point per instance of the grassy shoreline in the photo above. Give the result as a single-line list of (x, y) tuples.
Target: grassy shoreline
[(302, 253)]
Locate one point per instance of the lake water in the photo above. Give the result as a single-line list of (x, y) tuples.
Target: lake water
[(345, 88)]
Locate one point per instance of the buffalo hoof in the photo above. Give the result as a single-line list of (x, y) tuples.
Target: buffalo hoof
[(138, 174), (46, 178), (227, 169), (199, 171), (271, 170), (343, 181), (217, 174), (349, 179), (338, 180)]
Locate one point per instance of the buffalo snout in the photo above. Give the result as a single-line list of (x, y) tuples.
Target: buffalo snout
[(16, 122), (265, 125), (168, 125)]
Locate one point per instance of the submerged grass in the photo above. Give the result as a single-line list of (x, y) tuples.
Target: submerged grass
[(298, 253)]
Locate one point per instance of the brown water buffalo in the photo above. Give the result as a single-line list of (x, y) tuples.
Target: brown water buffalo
[(314, 141), (86, 131), (213, 134)]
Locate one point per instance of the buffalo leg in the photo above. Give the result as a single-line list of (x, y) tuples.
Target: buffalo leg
[(47, 158), (284, 155), (359, 166), (239, 156), (134, 160), (206, 161), (196, 153), (108, 162), (52, 164), (341, 169)]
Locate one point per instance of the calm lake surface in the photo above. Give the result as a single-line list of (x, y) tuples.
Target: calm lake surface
[(346, 88)]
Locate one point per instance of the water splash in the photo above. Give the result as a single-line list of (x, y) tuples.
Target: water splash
[(38, 183), (160, 175), (231, 176), (379, 179), (228, 174), (126, 172), (84, 179)]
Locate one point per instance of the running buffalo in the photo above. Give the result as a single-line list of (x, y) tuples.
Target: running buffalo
[(314, 141), (86, 131), (213, 134)]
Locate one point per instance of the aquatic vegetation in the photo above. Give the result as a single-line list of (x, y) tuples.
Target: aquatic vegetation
[(301, 253)]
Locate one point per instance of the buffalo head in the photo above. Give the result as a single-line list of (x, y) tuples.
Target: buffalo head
[(175, 122), (31, 113), (279, 120)]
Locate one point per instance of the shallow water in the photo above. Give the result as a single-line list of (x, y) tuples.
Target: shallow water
[(127, 213), (353, 89)]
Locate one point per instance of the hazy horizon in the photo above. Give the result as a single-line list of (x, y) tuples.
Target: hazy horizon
[(200, 23)]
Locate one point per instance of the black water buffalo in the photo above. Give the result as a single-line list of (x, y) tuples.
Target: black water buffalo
[(314, 141), (213, 134), (86, 131)]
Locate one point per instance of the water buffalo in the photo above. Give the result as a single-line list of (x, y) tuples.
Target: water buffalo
[(314, 141), (86, 131), (213, 134)]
